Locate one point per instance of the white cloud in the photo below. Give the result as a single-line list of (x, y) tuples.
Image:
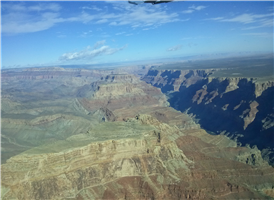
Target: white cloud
[(89, 53), (86, 33), (92, 8), (121, 33), (263, 23), (84, 18), (175, 48), (99, 43), (136, 16), (21, 7), (14, 7), (215, 18), (150, 28), (101, 21), (142, 16), (26, 26), (193, 8), (45, 6), (139, 16), (19, 18), (188, 11), (246, 19), (113, 23), (197, 7)]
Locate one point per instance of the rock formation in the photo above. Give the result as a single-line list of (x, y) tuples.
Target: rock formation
[(240, 107), (93, 141)]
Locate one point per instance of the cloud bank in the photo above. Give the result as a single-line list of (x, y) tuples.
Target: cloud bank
[(20, 18)]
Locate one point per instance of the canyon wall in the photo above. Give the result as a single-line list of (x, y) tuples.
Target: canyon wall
[(116, 137), (156, 161), (239, 107)]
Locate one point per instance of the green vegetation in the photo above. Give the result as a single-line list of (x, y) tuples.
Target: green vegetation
[(232, 62), (264, 72), (260, 67), (102, 132)]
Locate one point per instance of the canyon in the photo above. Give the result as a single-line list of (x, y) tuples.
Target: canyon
[(234, 101), (110, 134)]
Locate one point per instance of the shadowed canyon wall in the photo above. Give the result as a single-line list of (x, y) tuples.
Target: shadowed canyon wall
[(239, 107)]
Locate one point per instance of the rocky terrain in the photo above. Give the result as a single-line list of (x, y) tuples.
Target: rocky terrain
[(235, 101), (113, 136)]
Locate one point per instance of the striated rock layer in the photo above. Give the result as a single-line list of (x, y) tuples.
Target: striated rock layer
[(236, 106), (160, 162), (97, 142)]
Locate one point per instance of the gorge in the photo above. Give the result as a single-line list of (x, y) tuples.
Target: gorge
[(235, 101), (110, 134)]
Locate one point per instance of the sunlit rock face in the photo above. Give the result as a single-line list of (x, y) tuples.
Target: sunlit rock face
[(115, 137)]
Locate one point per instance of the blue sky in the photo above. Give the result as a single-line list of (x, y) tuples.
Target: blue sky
[(56, 33)]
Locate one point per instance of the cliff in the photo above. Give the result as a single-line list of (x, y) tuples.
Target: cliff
[(117, 138), (240, 107), (171, 80), (155, 160)]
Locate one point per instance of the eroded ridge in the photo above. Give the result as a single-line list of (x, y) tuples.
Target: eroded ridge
[(127, 145), (156, 161)]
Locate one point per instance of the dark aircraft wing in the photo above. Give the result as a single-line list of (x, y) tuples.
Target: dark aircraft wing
[(135, 2), (152, 2)]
